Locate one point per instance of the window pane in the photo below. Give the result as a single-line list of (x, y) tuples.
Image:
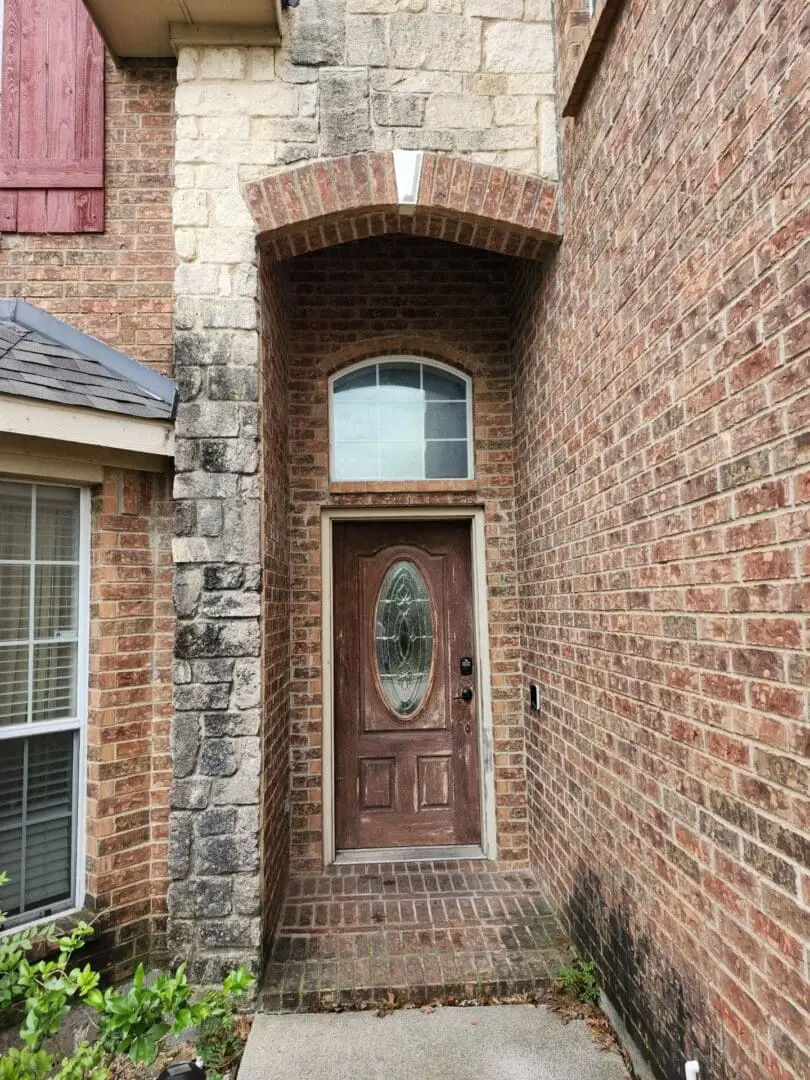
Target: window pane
[(355, 422), (57, 523), (356, 461), (402, 423), (36, 836), (57, 601), (404, 405), (446, 421), (400, 382), (441, 386), (54, 682), (359, 386), (445, 459), (14, 602), (15, 521), (13, 684), (402, 461), (50, 775)]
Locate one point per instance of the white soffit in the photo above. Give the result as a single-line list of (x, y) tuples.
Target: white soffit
[(22, 416), (154, 27)]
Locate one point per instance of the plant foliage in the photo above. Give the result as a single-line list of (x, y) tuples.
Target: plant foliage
[(581, 980), (133, 1021)]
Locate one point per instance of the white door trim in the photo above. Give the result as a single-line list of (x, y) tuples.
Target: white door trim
[(475, 515)]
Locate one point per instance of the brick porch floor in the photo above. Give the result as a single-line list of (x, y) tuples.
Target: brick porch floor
[(422, 930)]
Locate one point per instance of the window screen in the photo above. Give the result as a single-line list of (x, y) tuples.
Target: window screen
[(401, 420), (40, 572)]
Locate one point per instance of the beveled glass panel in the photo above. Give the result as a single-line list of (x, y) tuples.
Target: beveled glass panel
[(404, 638)]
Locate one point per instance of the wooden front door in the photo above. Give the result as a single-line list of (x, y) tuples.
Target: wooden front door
[(406, 699)]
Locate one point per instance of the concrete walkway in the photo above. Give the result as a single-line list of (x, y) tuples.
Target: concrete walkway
[(507, 1042)]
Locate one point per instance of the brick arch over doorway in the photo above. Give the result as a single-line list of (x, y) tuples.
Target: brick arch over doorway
[(438, 195)]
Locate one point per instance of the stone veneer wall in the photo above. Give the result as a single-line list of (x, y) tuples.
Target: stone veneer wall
[(470, 76)]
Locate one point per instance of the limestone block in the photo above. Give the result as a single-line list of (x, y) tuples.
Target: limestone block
[(185, 244), (538, 11), (229, 210), (218, 62), (190, 207), (316, 32), (214, 177), (206, 898), (458, 111), (197, 484), (345, 120), (185, 176), (239, 637), (218, 757), (439, 42), (302, 129), (197, 278), (494, 9), (520, 160), (505, 138), (548, 139), (179, 841), (261, 64), (246, 895), (229, 605), (225, 128), (218, 821), (196, 549), (186, 127), (518, 47), (185, 741), (246, 280), (231, 311), (247, 687), (485, 82), (200, 698), (200, 419), (515, 110), (385, 7), (190, 794), (226, 245), (366, 41), (398, 110), (186, 64), (422, 139), (447, 7), (294, 73), (540, 84), (186, 590), (416, 82), (235, 99), (308, 99)]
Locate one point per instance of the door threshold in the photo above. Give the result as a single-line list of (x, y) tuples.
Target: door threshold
[(361, 856)]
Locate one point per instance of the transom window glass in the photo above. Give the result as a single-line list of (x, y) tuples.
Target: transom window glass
[(42, 643), (400, 419)]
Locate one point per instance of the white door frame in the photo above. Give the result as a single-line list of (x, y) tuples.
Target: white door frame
[(489, 847)]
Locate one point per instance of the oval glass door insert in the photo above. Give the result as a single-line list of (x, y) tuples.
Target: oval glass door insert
[(404, 639)]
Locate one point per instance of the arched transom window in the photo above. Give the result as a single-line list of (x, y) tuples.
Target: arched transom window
[(401, 419)]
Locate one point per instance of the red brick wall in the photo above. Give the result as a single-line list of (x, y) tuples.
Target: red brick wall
[(400, 294), (662, 443), (129, 713), (116, 285), (275, 697)]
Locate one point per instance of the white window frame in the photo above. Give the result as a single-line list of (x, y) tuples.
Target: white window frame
[(77, 723), (424, 361)]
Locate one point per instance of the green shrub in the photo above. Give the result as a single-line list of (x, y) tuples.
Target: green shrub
[(580, 979), (133, 1022)]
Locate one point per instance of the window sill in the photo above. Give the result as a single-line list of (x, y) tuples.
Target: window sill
[(586, 56), (387, 487)]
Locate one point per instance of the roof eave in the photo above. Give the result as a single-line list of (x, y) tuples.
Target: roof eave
[(159, 27)]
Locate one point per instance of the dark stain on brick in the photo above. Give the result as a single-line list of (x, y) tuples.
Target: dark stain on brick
[(668, 1017)]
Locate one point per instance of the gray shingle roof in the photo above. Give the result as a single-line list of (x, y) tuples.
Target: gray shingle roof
[(46, 359)]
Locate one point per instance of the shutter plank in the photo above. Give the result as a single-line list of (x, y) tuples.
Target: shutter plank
[(52, 124), (61, 102), (10, 111), (31, 205), (88, 208)]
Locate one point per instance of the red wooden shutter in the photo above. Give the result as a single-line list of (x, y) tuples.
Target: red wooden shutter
[(51, 119)]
